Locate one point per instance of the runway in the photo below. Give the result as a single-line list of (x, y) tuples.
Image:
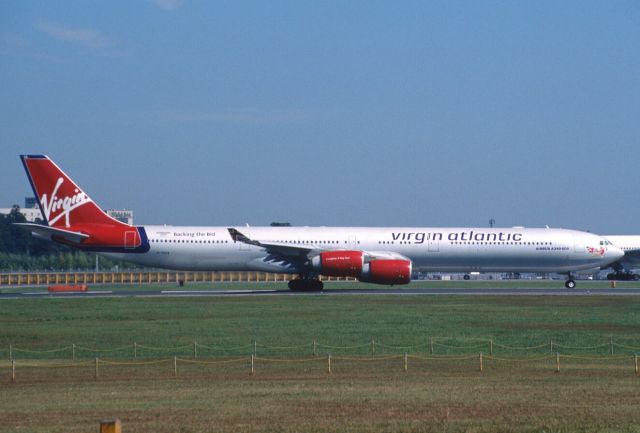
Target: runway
[(467, 291)]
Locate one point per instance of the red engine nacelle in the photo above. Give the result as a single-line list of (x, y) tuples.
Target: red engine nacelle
[(387, 272), (339, 263)]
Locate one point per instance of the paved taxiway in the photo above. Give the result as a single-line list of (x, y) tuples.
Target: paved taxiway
[(468, 291)]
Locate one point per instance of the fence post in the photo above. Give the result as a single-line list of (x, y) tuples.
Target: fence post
[(95, 375), (175, 366), (255, 348), (611, 341), (111, 426), (135, 349), (405, 367), (315, 349), (73, 352), (10, 351), (195, 349), (13, 369), (329, 363), (373, 347), (551, 343), (431, 345), (252, 362), (558, 362), (491, 347), (480, 359), (635, 358)]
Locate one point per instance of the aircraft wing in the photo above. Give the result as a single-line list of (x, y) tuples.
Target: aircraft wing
[(297, 251), (274, 248), (47, 232)]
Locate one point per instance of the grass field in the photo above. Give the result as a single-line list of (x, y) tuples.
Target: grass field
[(596, 394)]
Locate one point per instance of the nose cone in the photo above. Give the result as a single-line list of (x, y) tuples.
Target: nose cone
[(614, 253)]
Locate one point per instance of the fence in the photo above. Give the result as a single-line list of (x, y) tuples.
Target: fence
[(251, 363), (143, 277), (430, 346)]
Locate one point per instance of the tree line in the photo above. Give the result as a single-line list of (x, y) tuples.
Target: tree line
[(19, 251)]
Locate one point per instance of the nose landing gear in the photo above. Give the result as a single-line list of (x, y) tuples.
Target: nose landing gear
[(570, 283)]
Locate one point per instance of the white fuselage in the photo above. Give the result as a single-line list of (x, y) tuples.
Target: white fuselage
[(428, 248), (631, 246)]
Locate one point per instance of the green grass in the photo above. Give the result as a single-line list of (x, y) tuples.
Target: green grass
[(42, 324), (599, 394)]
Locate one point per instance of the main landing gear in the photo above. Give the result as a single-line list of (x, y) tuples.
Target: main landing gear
[(303, 284), (623, 276)]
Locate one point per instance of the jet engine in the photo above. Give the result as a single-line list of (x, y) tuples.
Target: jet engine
[(339, 263), (352, 264), (387, 272)]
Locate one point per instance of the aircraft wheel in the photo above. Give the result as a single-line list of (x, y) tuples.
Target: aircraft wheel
[(636, 277), (570, 284), (305, 285), (467, 277)]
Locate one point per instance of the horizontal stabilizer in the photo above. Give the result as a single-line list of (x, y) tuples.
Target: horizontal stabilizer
[(49, 233)]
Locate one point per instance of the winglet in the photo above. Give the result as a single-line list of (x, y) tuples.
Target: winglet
[(239, 237)]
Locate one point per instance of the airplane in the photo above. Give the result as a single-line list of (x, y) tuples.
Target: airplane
[(382, 255), (622, 269)]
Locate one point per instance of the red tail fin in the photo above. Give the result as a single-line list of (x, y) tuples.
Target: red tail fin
[(62, 202), (65, 206)]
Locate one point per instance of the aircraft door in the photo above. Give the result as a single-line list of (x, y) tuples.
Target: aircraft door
[(434, 246), (352, 243), (130, 239), (577, 244)]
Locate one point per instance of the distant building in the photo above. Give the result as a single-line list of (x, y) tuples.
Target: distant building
[(122, 215), (30, 203), (31, 214), (31, 211)]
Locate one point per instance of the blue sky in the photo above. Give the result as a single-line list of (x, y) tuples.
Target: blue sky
[(330, 113)]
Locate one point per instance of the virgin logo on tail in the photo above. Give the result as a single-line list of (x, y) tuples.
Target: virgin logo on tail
[(53, 204)]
